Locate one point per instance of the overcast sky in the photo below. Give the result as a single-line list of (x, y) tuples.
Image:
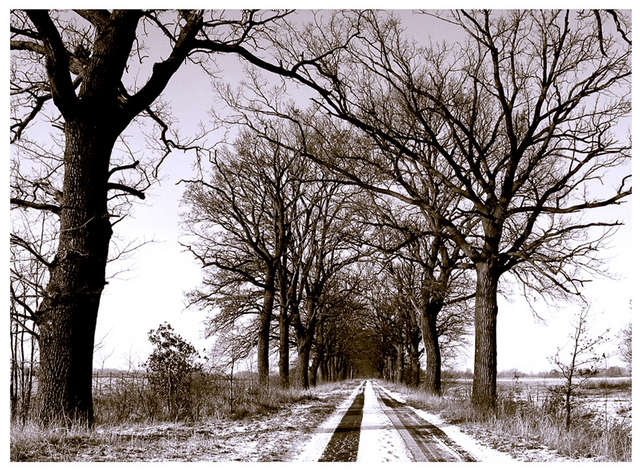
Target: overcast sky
[(152, 290)]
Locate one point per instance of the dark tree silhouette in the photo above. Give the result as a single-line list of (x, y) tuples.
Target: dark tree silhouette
[(76, 64)]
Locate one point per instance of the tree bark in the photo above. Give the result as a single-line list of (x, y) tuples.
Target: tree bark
[(265, 323), (314, 369), (324, 370), (68, 314), (400, 359), (304, 349), (433, 368), (283, 361), (486, 313)]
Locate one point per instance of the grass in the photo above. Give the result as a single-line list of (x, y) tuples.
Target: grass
[(131, 425), (133, 400), (531, 419)]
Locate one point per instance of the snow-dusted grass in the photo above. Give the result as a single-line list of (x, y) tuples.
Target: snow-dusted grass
[(530, 430), (131, 399), (274, 433)]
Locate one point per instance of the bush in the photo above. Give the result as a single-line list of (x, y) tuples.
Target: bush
[(171, 371)]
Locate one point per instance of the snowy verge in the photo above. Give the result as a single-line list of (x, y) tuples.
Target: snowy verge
[(314, 448), (379, 440), (468, 443)]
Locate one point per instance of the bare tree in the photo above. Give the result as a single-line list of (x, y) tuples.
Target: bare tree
[(626, 345), (524, 120), (232, 217), (579, 363), (429, 273), (76, 66), (326, 250), (26, 288)]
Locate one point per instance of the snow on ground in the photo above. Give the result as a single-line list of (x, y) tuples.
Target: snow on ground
[(468, 443), (271, 436), (379, 440), (316, 445)]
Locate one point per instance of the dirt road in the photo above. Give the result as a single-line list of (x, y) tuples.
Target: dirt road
[(377, 427)]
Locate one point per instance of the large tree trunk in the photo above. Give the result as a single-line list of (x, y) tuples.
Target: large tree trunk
[(69, 311), (314, 369), (318, 358), (433, 368), (304, 338), (400, 360), (304, 350), (324, 370), (265, 323), (283, 361), (486, 313), (415, 366)]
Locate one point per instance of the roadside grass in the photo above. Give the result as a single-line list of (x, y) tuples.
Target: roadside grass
[(533, 418), (131, 400), (130, 423), (30, 440)]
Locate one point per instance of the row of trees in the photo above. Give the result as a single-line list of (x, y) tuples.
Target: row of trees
[(504, 142), (275, 236), (493, 147)]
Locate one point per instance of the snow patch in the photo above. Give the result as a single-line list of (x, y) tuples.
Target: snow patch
[(379, 440)]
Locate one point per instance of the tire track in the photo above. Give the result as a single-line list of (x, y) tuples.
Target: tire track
[(427, 442), (343, 446)]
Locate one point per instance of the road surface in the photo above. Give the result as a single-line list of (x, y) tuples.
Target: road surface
[(376, 428)]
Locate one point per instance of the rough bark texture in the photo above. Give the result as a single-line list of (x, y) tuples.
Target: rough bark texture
[(283, 360), (265, 322), (400, 374), (69, 312), (485, 362), (433, 368), (304, 349), (313, 378)]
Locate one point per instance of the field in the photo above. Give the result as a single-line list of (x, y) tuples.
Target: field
[(605, 398)]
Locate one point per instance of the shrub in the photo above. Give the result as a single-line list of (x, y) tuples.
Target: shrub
[(171, 370)]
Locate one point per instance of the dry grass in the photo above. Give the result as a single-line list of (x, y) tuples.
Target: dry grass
[(530, 421), (259, 427), (133, 400)]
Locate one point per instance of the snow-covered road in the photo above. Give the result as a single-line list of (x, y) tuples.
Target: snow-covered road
[(381, 428), (380, 441)]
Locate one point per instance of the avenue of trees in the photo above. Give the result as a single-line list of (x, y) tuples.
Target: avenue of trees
[(364, 230)]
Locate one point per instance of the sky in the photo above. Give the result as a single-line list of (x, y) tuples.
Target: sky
[(151, 291)]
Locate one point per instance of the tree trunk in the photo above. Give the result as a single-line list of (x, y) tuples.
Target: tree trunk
[(304, 349), (69, 310), (400, 372), (324, 370), (415, 367), (265, 323), (486, 313), (314, 369), (433, 368), (283, 361)]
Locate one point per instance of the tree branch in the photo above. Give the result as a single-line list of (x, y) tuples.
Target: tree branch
[(35, 205)]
